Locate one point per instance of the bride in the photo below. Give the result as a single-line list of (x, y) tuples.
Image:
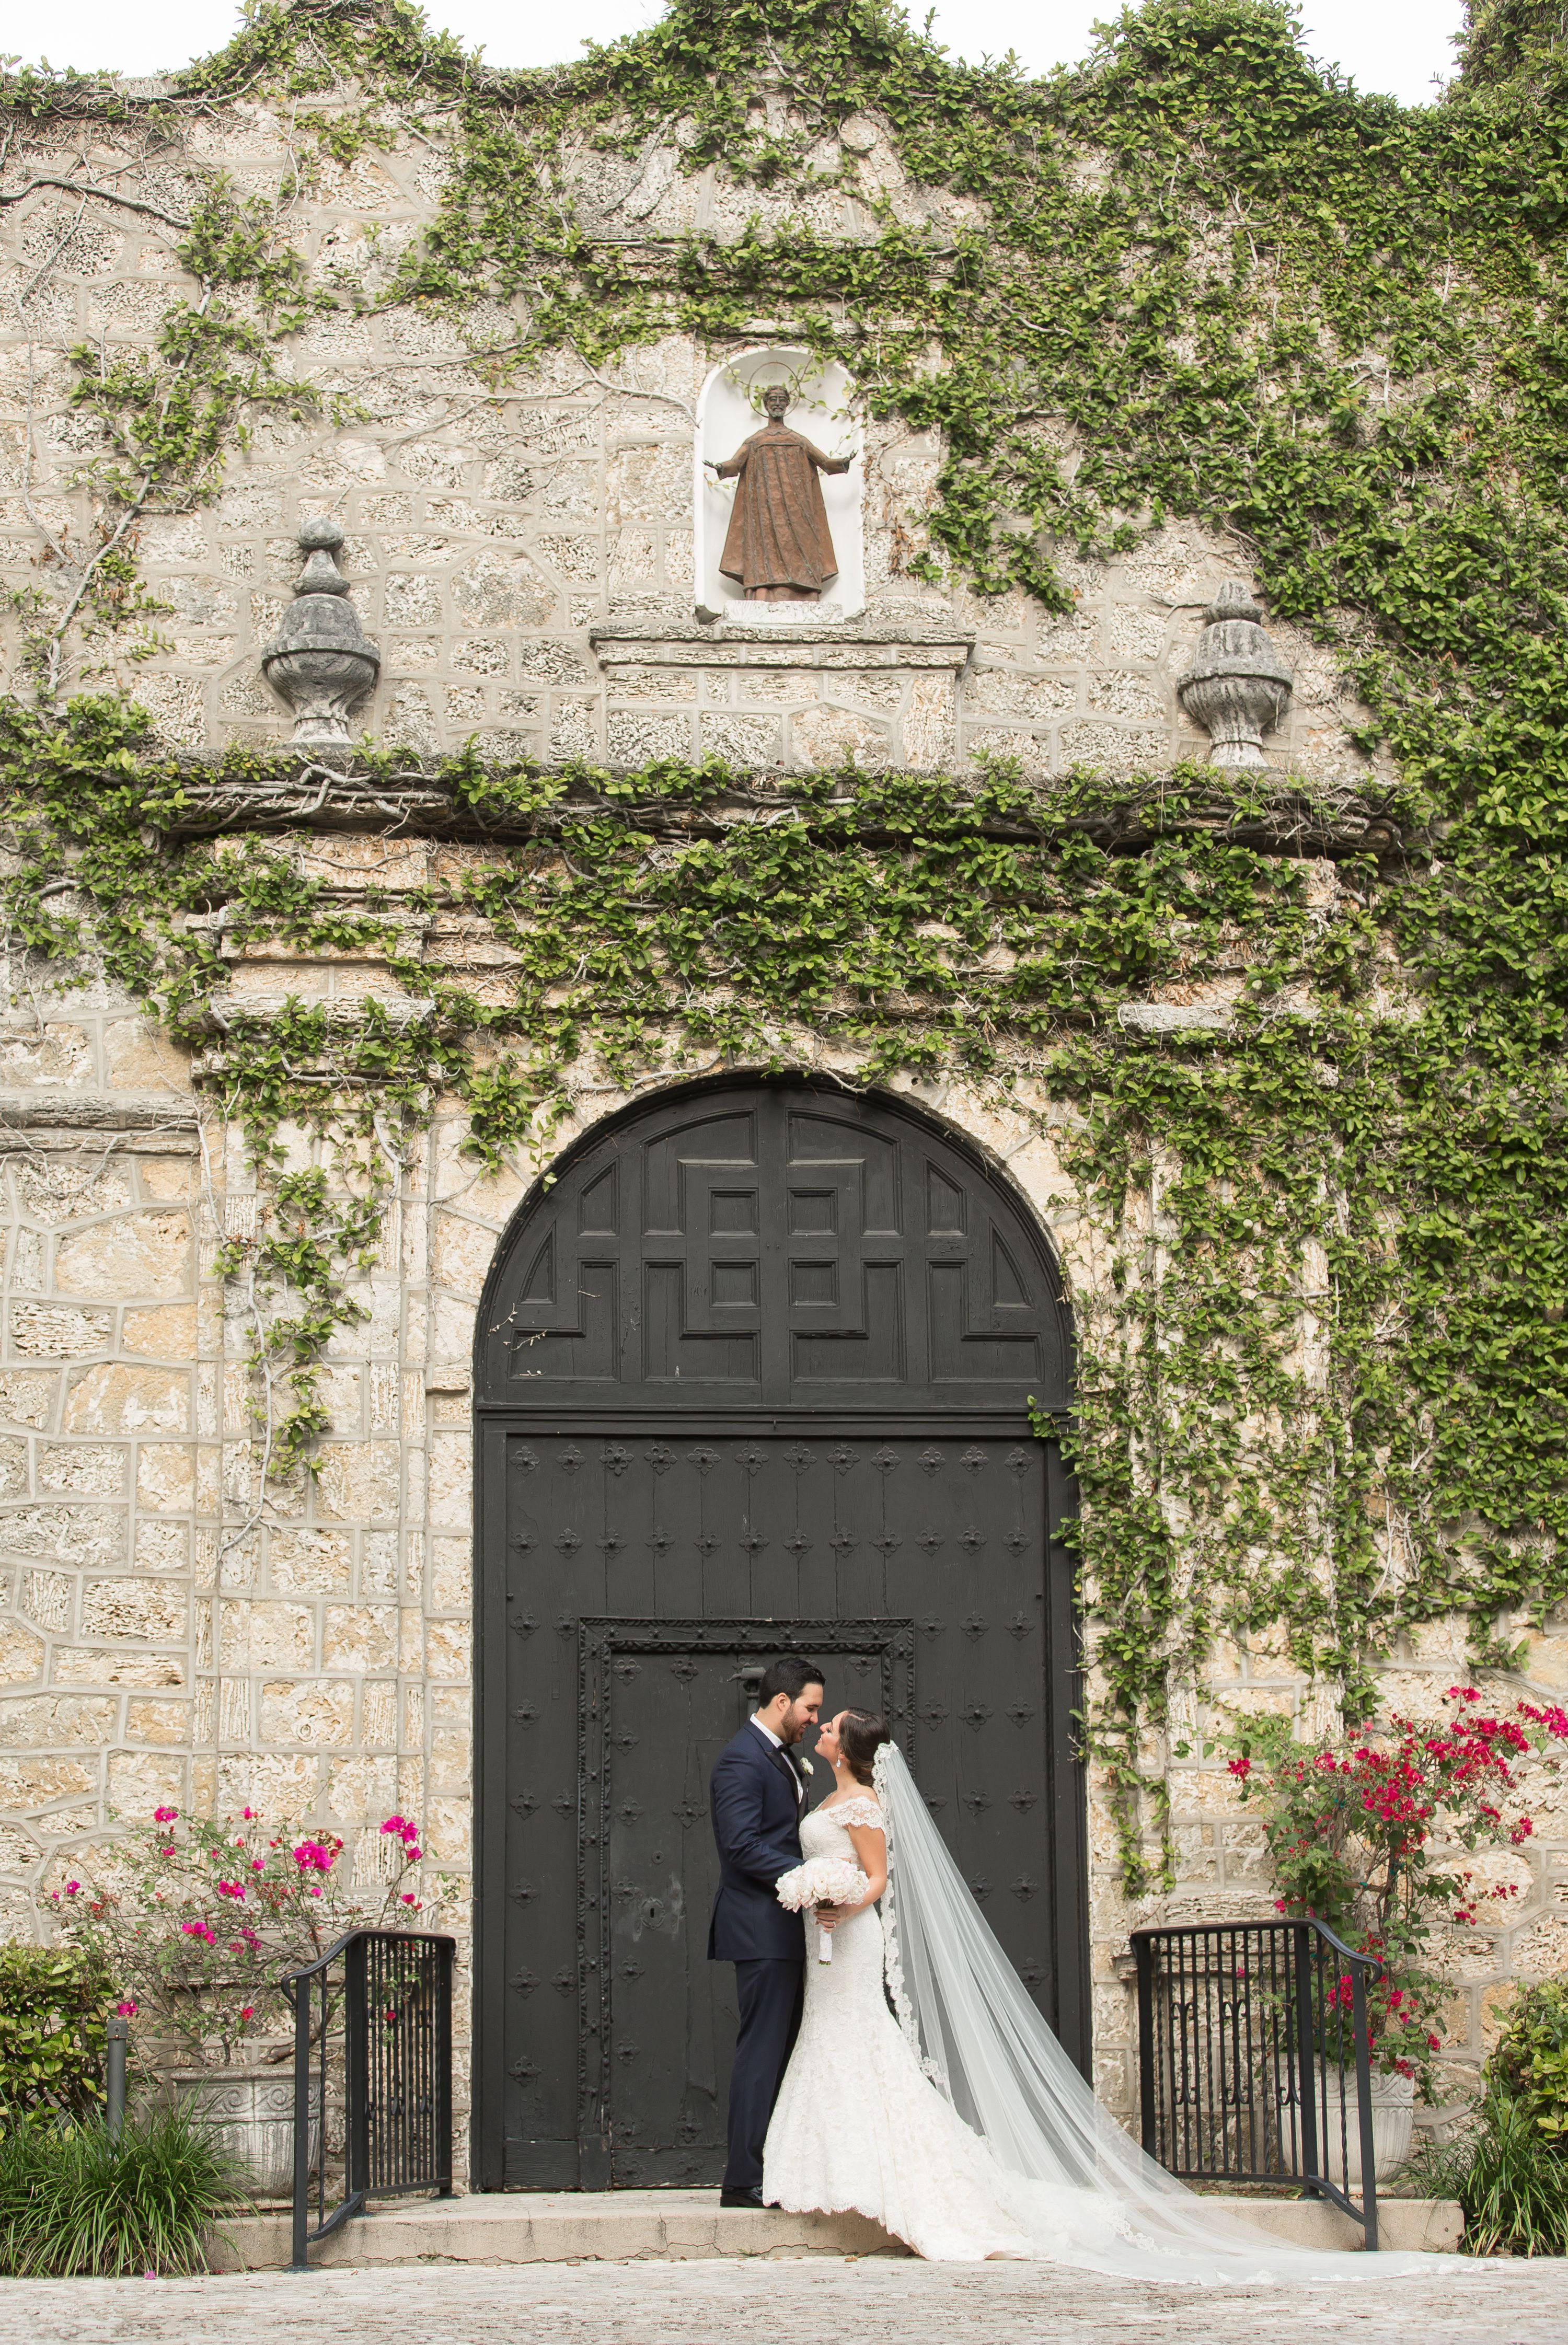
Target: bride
[(926, 2092)]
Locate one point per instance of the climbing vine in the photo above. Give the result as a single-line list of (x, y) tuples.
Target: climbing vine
[(1324, 1387)]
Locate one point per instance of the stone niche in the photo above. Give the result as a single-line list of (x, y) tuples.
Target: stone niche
[(729, 410)]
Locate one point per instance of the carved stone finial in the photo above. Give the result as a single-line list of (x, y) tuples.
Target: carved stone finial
[(1237, 687), (322, 662)]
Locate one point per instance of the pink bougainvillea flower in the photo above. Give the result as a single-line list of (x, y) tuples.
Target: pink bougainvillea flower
[(231, 1889), (314, 1856), (125, 2010), (201, 1930), (248, 1815), (164, 1815), (247, 2011), (73, 1888), (258, 1864), (409, 1898)]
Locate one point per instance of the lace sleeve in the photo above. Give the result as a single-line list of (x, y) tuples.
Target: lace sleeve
[(867, 1811)]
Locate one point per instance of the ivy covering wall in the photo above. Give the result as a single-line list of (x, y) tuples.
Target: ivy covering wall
[(1323, 1398)]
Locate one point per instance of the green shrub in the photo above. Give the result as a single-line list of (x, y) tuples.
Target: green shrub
[(1513, 2191), (73, 2201), (54, 2001), (1530, 2059)]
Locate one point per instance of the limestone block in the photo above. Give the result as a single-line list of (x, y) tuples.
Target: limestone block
[(137, 1057), (650, 482), (46, 1597), (55, 1722), (52, 1190), (363, 1789), (168, 1330), (139, 1254), (89, 1536), (27, 1398), (997, 691), (151, 1609), (359, 1481), (77, 1665), (310, 1563), (13, 1471), (283, 1787), (359, 1637), (633, 738), (319, 1712), (1112, 746), (451, 1575), (451, 1499), (481, 654), (574, 731), (140, 1780), (61, 1054), (165, 1724), (21, 1654), (464, 1251), (262, 1633), (166, 1476), (448, 1650), (32, 1783), (1542, 1951), (825, 736), (110, 1398), (45, 1331), (162, 1545), (1032, 751), (95, 1469), (499, 590)]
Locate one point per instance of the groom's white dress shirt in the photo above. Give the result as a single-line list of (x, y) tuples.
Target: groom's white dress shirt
[(769, 1736)]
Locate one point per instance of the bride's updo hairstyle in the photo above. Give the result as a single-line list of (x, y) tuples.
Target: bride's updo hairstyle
[(862, 1734)]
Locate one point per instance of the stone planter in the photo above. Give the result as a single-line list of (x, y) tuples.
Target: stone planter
[(252, 2112), (1393, 2116)]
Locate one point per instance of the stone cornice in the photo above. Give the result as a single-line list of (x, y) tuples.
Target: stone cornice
[(785, 643)]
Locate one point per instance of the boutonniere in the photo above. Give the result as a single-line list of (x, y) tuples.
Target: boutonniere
[(806, 1766)]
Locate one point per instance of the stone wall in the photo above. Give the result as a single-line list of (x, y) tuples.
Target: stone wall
[(523, 557), (163, 1636), (493, 532)]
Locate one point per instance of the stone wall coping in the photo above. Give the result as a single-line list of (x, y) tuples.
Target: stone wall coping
[(849, 644), (153, 1123)]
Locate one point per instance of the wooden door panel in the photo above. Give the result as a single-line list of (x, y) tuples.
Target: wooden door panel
[(753, 1372)]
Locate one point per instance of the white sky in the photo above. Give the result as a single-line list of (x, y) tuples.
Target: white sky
[(1397, 46)]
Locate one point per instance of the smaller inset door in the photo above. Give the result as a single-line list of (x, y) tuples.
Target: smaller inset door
[(659, 1702)]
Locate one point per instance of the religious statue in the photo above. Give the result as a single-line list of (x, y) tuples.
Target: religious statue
[(778, 543)]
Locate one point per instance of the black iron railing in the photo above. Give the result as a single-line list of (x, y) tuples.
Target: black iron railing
[(1253, 2058), (372, 2064)]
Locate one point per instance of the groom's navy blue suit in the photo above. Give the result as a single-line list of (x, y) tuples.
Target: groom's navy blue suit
[(756, 1795)]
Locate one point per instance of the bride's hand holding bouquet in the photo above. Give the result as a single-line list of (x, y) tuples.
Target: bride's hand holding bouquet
[(830, 1881)]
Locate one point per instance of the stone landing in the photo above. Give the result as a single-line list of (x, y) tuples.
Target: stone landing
[(679, 2225)]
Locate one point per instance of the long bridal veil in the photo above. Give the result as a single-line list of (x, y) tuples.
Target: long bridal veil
[(970, 2020)]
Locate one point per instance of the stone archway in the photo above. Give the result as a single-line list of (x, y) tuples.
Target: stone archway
[(752, 1373)]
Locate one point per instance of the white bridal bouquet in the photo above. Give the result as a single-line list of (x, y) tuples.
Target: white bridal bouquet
[(821, 1880)]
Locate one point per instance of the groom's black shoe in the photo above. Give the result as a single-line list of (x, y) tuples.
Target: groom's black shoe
[(742, 2199)]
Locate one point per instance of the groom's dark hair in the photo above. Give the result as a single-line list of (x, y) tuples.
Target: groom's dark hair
[(791, 1675)]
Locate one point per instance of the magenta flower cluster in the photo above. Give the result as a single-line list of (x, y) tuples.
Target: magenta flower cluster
[(407, 1831)]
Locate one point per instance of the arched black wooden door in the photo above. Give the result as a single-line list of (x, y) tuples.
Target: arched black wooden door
[(753, 1377)]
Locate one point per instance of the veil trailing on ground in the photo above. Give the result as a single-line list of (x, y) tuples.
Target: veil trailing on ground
[(969, 2019)]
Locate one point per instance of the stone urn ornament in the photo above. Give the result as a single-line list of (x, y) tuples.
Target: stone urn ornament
[(322, 662), (1238, 688)]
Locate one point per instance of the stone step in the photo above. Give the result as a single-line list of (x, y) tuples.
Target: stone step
[(527, 2226)]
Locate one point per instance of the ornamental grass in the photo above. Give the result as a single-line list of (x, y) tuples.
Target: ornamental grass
[(74, 2201)]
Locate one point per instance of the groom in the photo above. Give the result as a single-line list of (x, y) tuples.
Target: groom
[(757, 1793)]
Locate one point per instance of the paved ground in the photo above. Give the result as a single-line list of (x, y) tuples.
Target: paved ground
[(809, 2302)]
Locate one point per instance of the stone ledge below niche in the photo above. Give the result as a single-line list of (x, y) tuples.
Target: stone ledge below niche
[(910, 644)]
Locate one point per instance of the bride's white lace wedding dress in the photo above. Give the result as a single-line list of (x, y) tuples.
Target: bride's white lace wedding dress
[(858, 2125), (959, 2123)]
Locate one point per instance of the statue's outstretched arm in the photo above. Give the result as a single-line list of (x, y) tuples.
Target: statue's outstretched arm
[(828, 464), (733, 464)]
